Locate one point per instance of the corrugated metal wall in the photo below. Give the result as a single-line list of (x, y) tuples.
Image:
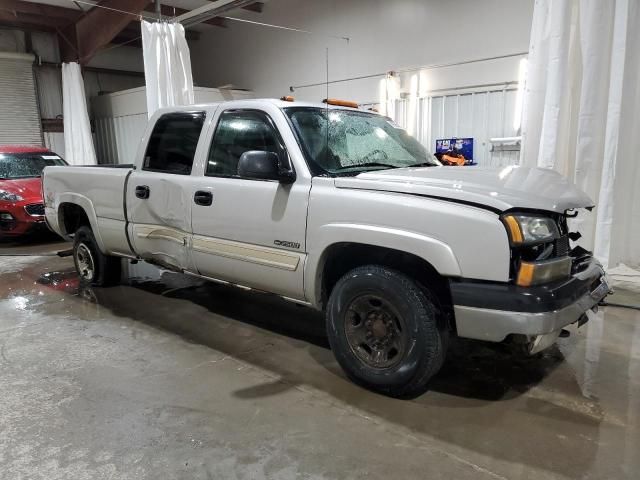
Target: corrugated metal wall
[(478, 114), (117, 138), (20, 119), (121, 120)]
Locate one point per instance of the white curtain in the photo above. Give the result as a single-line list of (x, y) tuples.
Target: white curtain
[(78, 143), (167, 65), (580, 115)]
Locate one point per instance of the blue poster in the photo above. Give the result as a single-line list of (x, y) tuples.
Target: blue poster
[(457, 145)]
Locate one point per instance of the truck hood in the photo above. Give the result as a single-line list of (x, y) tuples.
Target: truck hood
[(497, 188)]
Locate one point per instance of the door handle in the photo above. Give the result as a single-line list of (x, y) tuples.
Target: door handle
[(203, 198), (142, 191)]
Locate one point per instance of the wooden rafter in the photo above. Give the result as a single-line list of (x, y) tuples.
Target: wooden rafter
[(255, 7), (168, 11), (31, 21), (82, 33), (99, 26), (47, 11)]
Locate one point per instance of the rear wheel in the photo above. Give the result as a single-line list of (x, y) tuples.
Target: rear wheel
[(384, 331), (93, 267)]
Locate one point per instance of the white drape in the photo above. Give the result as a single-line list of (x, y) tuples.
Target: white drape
[(167, 65), (78, 143), (580, 114)]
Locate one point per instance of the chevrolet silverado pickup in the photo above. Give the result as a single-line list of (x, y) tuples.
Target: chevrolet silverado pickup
[(341, 210)]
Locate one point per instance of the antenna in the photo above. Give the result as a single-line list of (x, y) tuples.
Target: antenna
[(326, 150)]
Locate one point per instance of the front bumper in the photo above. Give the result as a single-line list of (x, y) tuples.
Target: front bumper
[(493, 311), (21, 222)]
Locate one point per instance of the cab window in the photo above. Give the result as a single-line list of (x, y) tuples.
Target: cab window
[(173, 142), (238, 132)]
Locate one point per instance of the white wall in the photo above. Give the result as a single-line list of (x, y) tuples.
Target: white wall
[(11, 41), (121, 119), (49, 82), (119, 58), (383, 35)]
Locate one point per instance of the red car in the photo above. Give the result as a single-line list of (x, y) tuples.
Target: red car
[(21, 204)]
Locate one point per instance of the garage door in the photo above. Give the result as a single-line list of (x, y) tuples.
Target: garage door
[(19, 117)]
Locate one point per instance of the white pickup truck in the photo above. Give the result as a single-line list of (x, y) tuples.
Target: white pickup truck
[(341, 210)]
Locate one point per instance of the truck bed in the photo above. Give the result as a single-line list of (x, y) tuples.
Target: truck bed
[(99, 190)]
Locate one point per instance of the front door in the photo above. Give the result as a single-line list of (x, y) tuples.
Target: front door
[(250, 232), (158, 195)]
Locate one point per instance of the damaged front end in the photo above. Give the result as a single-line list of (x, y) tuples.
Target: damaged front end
[(551, 260), (541, 250), (551, 285)]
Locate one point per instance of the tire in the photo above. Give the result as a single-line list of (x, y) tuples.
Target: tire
[(94, 268), (375, 309)]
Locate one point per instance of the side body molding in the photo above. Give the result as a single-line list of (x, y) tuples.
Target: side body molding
[(434, 251)]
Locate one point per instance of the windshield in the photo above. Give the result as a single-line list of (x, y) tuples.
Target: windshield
[(357, 142), (26, 165)]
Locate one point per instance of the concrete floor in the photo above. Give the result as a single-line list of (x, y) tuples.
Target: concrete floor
[(170, 378)]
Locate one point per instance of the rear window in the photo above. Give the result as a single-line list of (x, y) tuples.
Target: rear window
[(27, 165), (173, 143)]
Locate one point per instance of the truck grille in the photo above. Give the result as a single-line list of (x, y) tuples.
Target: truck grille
[(35, 209), (562, 246)]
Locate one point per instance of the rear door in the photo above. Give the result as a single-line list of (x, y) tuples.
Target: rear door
[(158, 194), (250, 232)]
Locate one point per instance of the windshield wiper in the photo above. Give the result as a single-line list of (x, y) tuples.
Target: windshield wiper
[(423, 164), (367, 165)]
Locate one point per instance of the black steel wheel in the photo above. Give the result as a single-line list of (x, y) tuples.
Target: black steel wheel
[(384, 331), (375, 331)]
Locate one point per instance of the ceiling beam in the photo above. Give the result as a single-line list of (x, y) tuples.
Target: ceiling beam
[(48, 11), (210, 10), (168, 11), (31, 21), (81, 33), (131, 35), (99, 26), (38, 16), (255, 7)]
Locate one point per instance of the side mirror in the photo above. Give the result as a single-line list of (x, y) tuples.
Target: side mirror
[(262, 165)]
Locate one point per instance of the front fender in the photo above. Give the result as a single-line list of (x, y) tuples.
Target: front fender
[(432, 250)]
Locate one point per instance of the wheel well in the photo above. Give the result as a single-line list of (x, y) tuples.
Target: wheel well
[(343, 257), (72, 217)]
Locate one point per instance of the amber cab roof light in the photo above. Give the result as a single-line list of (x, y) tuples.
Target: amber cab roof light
[(287, 98), (340, 103)]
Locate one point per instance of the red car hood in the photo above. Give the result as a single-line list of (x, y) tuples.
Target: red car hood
[(28, 188)]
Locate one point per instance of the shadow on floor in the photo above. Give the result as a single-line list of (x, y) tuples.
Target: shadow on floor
[(480, 401), (42, 242)]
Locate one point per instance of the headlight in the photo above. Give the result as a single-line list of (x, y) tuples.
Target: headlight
[(537, 273), (9, 197), (527, 229)]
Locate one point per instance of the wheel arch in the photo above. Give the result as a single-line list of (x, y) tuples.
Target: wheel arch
[(340, 257), (74, 211), (432, 255)]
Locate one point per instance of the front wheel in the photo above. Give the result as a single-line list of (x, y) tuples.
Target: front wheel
[(384, 331), (94, 267)]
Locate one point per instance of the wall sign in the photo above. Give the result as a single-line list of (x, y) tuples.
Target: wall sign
[(457, 145)]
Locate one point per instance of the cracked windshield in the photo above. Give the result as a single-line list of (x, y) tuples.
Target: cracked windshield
[(357, 142)]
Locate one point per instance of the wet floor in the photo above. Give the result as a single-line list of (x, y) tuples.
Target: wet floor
[(41, 243), (169, 377)]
